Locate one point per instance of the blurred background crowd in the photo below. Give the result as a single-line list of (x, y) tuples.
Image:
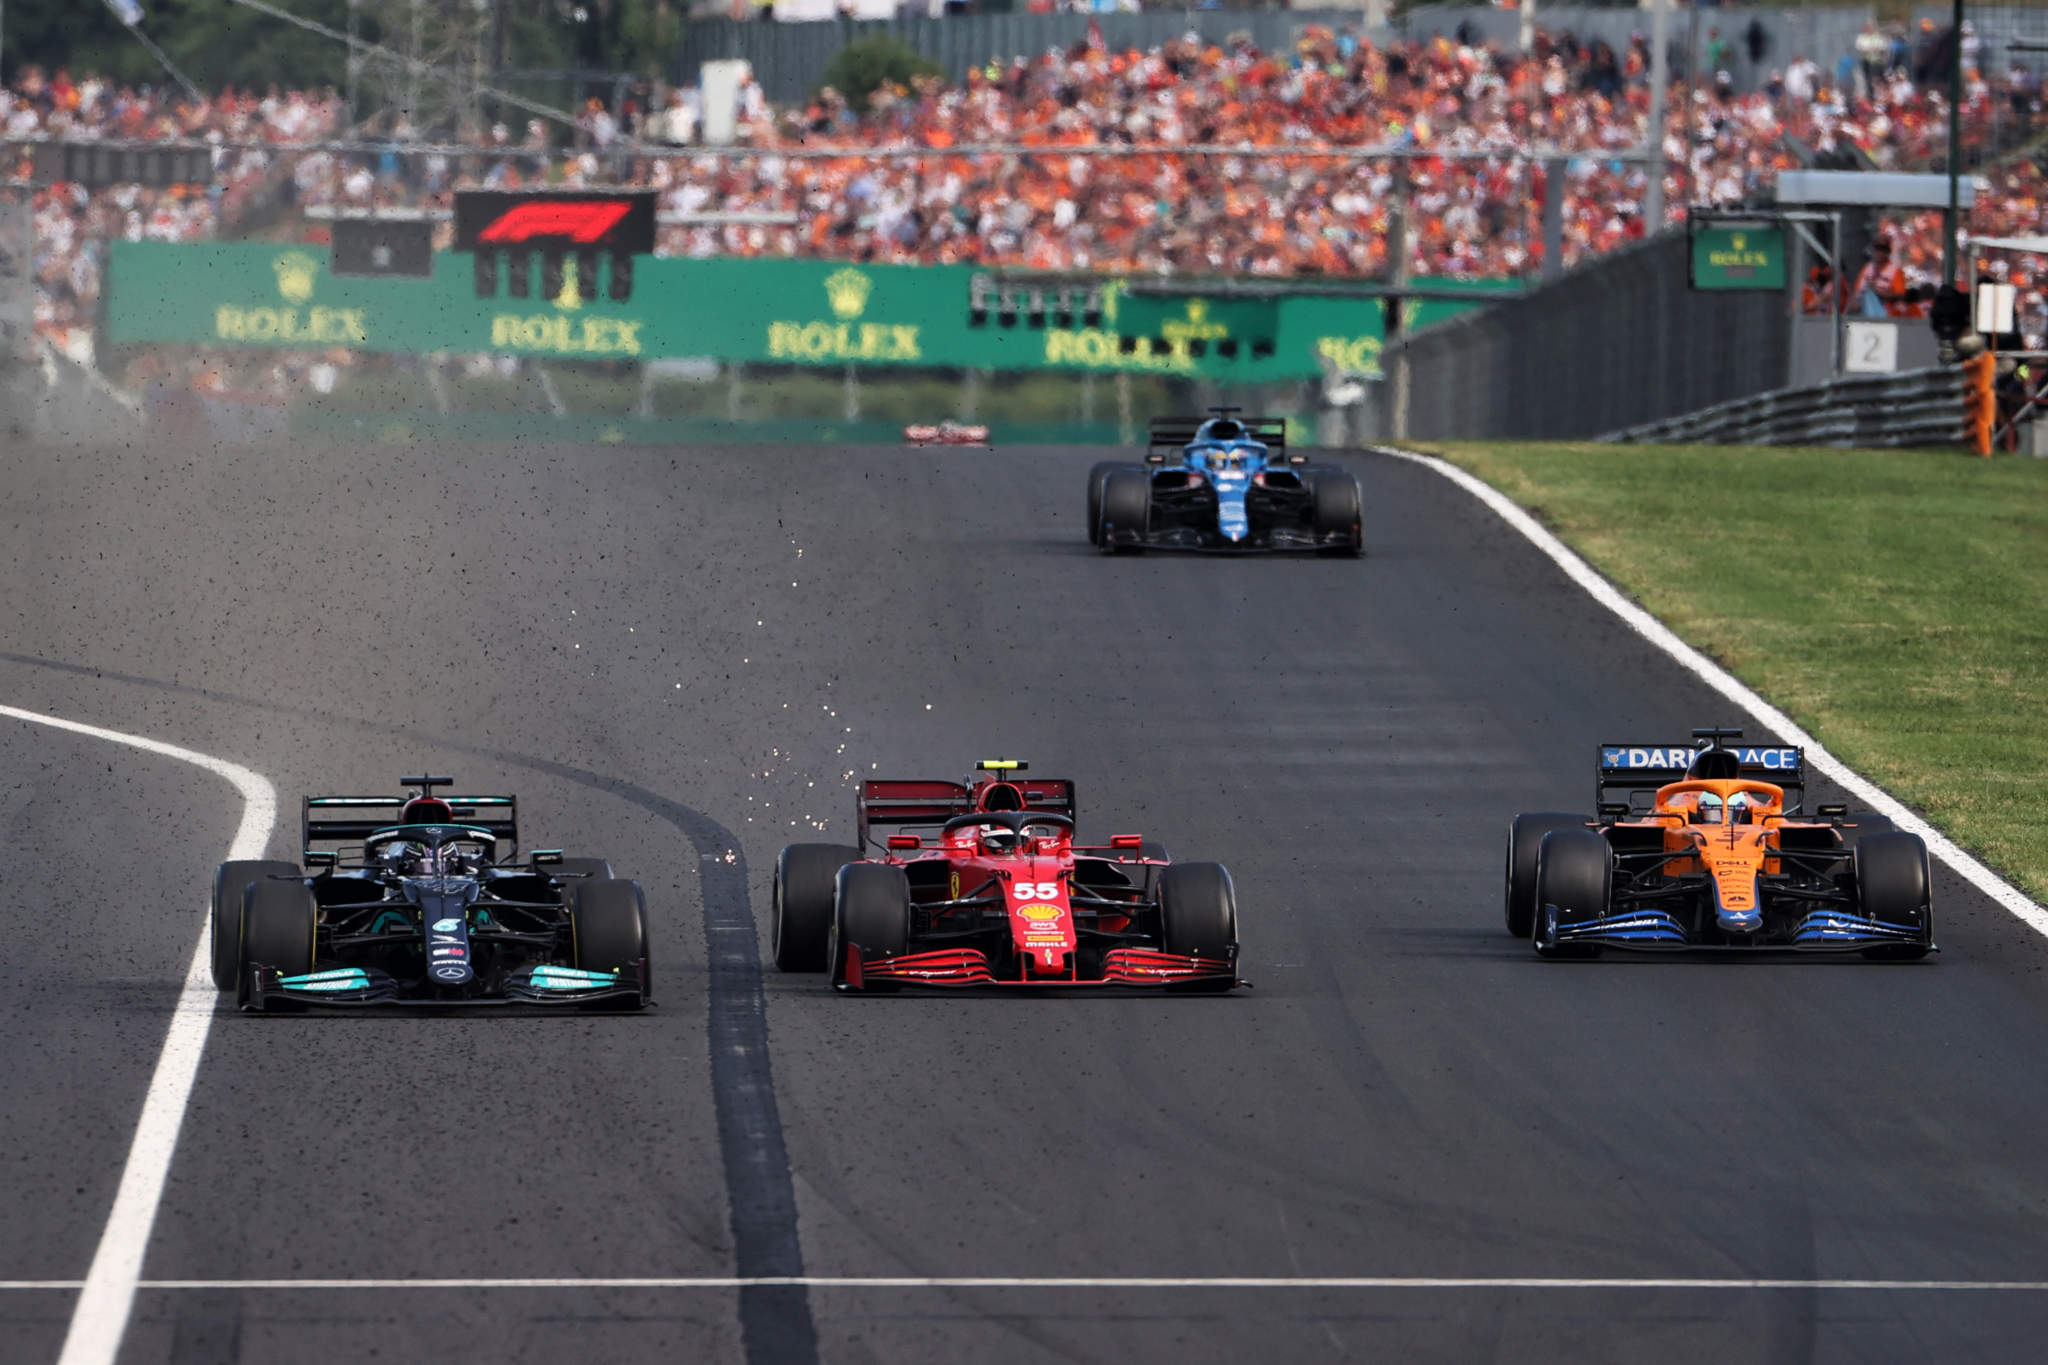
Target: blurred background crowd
[(996, 169)]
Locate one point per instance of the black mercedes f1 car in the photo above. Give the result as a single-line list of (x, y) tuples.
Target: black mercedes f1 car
[(434, 907)]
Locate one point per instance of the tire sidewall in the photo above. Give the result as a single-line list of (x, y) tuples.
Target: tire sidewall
[(1198, 910), (1525, 840), (801, 902), (278, 927), (871, 909), (231, 881), (1892, 879)]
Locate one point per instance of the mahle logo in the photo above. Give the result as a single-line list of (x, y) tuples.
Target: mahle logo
[(296, 272), (848, 292)]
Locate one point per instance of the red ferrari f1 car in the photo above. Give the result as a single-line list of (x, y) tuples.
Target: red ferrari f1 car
[(983, 885)]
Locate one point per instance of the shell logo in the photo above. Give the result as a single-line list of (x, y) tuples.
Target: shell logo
[(1040, 913)]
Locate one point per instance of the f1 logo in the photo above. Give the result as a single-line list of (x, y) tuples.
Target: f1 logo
[(582, 222)]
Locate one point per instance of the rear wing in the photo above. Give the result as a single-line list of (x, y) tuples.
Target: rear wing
[(351, 819), (1168, 435), (1635, 771), (884, 801)]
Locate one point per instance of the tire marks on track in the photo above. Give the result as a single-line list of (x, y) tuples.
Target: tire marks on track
[(774, 1298)]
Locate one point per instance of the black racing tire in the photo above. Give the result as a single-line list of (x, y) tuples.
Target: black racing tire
[(1339, 506), (576, 871), (871, 912), (1126, 505), (1198, 910), (1574, 883), (800, 900), (278, 927), (225, 919), (1863, 824), (1525, 837), (1893, 885), (1097, 477), (608, 930), (1198, 916)]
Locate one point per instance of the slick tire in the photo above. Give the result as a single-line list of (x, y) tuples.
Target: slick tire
[(608, 930), (1525, 837), (1340, 507), (1892, 884), (225, 919), (1198, 916), (1574, 883), (1126, 508), (1097, 477), (278, 920), (801, 902), (870, 912), (1864, 824)]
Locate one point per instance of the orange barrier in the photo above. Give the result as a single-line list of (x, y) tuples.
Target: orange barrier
[(1980, 406)]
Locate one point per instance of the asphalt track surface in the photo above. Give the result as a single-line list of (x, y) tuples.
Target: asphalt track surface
[(679, 659)]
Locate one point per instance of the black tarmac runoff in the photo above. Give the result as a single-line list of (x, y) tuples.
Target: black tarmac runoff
[(1411, 1140)]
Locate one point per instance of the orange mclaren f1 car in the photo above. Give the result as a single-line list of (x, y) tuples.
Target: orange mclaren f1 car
[(995, 892), (1707, 849)]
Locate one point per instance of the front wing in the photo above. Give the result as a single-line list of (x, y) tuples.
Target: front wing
[(1277, 540), (1822, 931), (265, 988), (957, 967)]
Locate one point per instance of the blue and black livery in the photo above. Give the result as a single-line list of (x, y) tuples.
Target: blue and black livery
[(435, 907), (1223, 482)]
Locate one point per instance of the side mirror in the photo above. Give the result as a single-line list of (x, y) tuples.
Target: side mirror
[(905, 841), (1297, 459), (325, 860), (1834, 813), (1151, 458), (1126, 841), (546, 857), (1614, 810)]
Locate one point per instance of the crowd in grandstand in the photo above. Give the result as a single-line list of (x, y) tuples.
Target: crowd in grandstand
[(1476, 120)]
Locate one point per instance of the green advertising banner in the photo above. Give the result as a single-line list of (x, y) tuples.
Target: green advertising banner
[(773, 311), (1738, 256)]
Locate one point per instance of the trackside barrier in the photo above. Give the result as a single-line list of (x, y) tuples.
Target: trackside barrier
[(1613, 342), (1980, 402), (1916, 408)]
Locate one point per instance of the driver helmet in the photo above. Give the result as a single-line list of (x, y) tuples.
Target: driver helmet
[(411, 858), (999, 839), (1707, 808), (1743, 806)]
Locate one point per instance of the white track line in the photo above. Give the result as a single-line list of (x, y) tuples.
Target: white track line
[(1073, 1282), (1729, 686), (101, 1316)]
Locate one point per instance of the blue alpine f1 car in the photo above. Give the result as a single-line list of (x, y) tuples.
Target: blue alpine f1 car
[(1223, 482), (435, 908)]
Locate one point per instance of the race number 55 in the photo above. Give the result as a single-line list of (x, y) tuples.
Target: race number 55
[(1035, 891)]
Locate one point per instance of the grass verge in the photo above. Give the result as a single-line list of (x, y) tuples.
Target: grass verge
[(1893, 603)]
